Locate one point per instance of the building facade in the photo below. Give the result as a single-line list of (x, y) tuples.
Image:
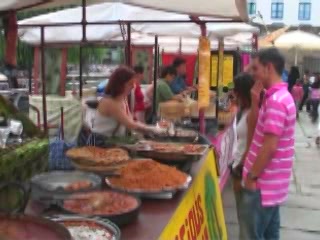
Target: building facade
[(293, 13)]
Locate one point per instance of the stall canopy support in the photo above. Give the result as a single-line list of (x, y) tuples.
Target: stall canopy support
[(43, 82), (219, 73), (80, 71), (84, 21), (155, 77), (203, 28), (84, 39), (128, 48), (63, 71)]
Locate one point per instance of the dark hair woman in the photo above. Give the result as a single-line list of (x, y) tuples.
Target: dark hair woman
[(113, 116), (242, 87), (243, 83)]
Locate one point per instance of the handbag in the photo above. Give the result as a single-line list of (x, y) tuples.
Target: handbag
[(57, 153), (57, 150)]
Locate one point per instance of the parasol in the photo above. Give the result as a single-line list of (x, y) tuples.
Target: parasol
[(299, 41)]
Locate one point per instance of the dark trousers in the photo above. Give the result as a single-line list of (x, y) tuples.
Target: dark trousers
[(315, 109), (305, 100)]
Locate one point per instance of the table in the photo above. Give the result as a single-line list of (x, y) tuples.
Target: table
[(158, 218)]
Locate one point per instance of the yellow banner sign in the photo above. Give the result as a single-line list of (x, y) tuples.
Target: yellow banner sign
[(204, 73), (227, 70), (200, 213)]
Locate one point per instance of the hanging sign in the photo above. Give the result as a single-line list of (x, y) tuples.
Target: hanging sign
[(228, 65), (204, 73)]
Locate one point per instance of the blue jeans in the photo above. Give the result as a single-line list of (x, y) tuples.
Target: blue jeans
[(257, 222)]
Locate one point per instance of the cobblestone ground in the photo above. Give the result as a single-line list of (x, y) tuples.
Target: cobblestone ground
[(300, 216)]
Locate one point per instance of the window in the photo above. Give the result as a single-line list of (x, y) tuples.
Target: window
[(277, 10), (252, 7), (304, 10)]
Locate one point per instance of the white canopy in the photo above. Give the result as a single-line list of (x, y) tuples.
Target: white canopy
[(189, 45), (234, 9), (298, 39), (122, 12)]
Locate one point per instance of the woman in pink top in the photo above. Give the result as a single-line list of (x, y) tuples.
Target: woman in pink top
[(297, 94), (315, 99)]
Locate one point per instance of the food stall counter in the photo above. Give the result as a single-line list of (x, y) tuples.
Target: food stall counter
[(196, 211)]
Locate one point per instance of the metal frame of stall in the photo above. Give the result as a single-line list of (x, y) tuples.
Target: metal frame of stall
[(85, 42)]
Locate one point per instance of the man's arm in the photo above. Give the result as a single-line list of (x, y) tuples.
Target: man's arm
[(275, 116), (269, 146)]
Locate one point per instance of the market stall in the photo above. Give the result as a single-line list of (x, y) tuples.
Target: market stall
[(177, 36), (176, 195)]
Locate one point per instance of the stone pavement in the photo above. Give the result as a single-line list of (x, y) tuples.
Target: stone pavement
[(300, 216)]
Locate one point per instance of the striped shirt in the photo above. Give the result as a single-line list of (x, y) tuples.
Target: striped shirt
[(277, 116)]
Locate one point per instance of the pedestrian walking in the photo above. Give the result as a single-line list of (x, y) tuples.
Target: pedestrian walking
[(293, 76), (268, 163), (306, 85), (315, 99), (297, 94)]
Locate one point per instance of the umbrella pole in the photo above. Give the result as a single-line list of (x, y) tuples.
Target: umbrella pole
[(296, 57)]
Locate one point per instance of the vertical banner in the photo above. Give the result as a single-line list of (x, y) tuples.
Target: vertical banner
[(204, 72), (228, 70), (220, 62), (200, 213)]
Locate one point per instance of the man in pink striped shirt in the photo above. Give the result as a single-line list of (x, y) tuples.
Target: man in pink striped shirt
[(268, 164)]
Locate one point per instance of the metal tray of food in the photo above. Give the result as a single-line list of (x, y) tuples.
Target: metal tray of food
[(90, 205), (178, 136), (60, 184), (176, 152), (164, 193), (79, 227)]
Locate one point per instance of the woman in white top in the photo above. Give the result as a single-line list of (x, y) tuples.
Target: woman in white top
[(243, 84), (113, 117)]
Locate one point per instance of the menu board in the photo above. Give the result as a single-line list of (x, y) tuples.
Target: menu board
[(228, 68), (200, 213)]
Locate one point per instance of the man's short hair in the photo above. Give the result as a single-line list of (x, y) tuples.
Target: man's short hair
[(138, 69), (178, 61), (273, 56), (168, 70)]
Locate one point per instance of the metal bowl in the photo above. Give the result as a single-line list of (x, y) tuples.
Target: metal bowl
[(57, 229), (51, 185), (101, 223), (118, 218)]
